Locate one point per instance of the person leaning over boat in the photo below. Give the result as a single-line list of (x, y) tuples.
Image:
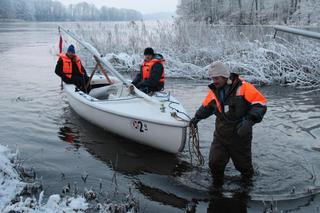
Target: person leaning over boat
[(70, 69), (238, 105), (151, 77)]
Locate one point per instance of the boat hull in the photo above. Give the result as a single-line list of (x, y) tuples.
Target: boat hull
[(169, 138)]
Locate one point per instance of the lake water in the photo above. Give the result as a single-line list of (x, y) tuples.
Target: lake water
[(63, 148)]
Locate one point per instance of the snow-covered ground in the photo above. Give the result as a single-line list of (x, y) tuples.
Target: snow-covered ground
[(12, 198), (12, 185), (190, 47)]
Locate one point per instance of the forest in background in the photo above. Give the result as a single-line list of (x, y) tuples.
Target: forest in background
[(305, 12), (235, 12), (49, 10)]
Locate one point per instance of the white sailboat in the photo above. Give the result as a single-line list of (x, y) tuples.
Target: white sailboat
[(159, 121)]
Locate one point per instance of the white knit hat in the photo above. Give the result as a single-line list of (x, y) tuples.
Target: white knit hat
[(217, 69)]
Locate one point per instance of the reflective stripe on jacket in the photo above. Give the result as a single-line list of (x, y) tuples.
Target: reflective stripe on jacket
[(212, 97), (241, 101), (247, 90)]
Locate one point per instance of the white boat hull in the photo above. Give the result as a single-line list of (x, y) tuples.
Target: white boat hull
[(129, 118)]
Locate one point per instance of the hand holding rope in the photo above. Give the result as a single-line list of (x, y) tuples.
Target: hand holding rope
[(194, 143)]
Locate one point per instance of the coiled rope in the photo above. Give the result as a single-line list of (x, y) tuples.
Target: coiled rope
[(194, 140), (194, 145)]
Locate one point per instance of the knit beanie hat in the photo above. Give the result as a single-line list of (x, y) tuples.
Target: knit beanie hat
[(217, 69), (148, 51), (71, 49)]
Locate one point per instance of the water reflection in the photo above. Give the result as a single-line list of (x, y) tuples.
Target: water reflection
[(238, 203), (135, 159), (161, 196), (216, 202), (120, 154), (68, 135)]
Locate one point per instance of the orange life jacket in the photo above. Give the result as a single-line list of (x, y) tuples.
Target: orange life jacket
[(147, 67), (67, 65), (246, 90)]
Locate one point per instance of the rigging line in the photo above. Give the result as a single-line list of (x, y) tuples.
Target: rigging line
[(178, 111)]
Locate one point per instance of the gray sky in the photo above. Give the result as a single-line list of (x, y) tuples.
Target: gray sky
[(144, 6)]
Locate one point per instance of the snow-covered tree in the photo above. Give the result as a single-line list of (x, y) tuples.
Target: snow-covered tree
[(50, 10), (250, 11), (7, 9)]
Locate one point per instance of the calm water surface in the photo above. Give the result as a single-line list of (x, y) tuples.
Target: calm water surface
[(63, 148)]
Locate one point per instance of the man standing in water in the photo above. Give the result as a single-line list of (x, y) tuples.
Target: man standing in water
[(151, 76), (238, 105), (70, 69)]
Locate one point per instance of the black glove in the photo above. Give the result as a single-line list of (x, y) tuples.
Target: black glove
[(193, 122), (244, 128)]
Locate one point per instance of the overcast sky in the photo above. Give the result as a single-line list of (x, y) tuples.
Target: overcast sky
[(144, 6)]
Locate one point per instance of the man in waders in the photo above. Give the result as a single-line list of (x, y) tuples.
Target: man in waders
[(70, 69), (151, 77), (238, 105)]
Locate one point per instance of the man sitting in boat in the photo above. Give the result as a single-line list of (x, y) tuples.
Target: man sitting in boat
[(151, 76), (70, 69)]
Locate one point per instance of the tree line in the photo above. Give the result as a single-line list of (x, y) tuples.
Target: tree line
[(250, 11), (50, 10)]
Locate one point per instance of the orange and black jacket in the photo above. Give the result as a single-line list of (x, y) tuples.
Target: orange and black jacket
[(151, 74), (232, 104), (66, 68)]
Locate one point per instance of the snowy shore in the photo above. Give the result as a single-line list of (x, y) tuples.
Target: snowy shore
[(12, 186), (13, 198)]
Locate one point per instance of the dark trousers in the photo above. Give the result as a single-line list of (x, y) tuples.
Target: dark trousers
[(147, 89), (79, 81), (234, 147)]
